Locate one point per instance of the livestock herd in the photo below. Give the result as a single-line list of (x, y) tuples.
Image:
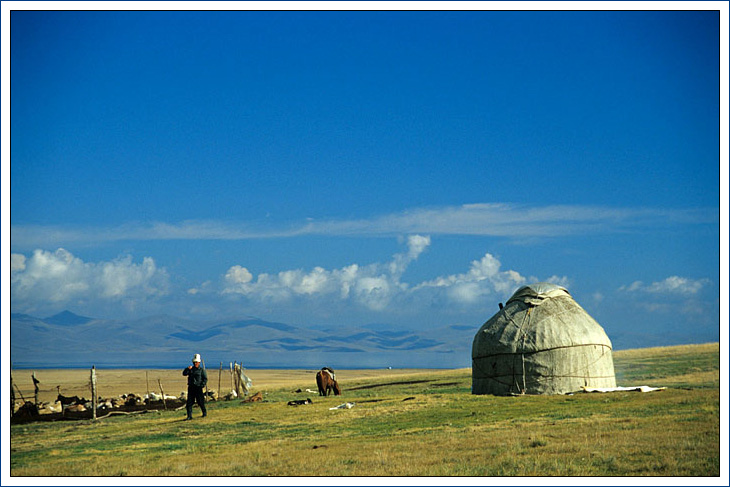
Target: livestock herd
[(75, 406), (71, 406)]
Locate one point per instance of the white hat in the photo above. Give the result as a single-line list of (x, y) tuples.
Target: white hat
[(196, 357)]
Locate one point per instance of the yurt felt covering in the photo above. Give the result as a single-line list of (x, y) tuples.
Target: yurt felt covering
[(541, 342)]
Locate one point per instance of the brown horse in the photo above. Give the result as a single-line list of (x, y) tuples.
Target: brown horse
[(326, 382)]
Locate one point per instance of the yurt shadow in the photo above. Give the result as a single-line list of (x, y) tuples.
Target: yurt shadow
[(541, 342)]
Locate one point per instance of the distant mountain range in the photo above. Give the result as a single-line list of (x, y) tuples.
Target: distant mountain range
[(70, 340)]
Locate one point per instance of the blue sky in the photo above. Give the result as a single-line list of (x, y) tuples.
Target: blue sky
[(409, 168)]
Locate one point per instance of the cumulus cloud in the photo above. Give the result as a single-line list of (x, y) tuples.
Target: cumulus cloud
[(238, 275), (376, 286), (483, 278), (17, 263), (417, 244), (673, 285), (363, 284), (60, 277)]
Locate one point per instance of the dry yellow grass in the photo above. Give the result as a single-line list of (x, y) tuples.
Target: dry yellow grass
[(113, 382), (646, 353)]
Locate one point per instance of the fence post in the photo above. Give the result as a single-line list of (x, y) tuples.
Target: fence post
[(147, 380), (94, 398), (35, 388), (164, 403), (220, 371), (235, 379), (12, 397)]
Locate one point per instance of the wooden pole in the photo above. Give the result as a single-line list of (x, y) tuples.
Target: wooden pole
[(35, 388), (147, 379), (94, 398), (12, 397), (220, 371), (235, 378), (164, 403)]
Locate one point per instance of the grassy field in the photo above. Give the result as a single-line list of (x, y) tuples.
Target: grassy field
[(407, 423)]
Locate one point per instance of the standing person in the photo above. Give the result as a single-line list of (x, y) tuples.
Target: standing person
[(197, 379)]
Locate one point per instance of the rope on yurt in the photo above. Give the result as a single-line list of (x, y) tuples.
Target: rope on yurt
[(522, 335)]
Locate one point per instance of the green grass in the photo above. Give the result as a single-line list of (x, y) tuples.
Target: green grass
[(432, 426), (682, 365)]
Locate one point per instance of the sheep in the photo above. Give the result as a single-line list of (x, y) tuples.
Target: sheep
[(131, 399), (152, 397), (49, 408), (56, 407)]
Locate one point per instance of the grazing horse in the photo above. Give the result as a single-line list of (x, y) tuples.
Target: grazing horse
[(326, 382)]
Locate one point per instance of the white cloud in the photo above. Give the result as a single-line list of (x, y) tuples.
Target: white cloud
[(377, 286), (205, 287), (559, 280), (673, 285), (482, 279), (374, 292), (17, 263), (678, 285), (634, 286), (60, 277), (238, 275), (417, 244), (488, 219), (365, 285)]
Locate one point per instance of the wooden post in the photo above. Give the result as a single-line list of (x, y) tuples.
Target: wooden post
[(235, 378), (164, 403), (147, 379), (12, 397), (220, 371), (35, 389), (94, 398)]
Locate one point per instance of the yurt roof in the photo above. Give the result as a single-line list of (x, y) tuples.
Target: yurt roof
[(538, 317), (535, 293)]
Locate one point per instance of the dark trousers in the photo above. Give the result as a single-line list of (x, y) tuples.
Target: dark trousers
[(195, 394)]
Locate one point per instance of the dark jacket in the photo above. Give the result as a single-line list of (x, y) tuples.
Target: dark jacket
[(197, 376)]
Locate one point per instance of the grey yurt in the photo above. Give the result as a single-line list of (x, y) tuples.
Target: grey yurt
[(540, 342)]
